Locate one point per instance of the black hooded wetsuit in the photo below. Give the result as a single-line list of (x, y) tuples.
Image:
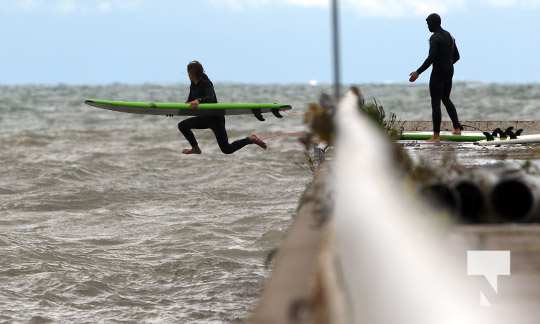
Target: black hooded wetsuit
[(443, 54), (204, 92)]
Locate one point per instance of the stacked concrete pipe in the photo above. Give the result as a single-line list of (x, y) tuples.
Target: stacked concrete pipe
[(473, 190), (516, 198)]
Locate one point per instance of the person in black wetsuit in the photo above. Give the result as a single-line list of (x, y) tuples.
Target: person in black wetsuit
[(443, 54), (202, 91)]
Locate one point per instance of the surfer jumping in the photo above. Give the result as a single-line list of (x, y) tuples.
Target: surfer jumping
[(202, 91), (443, 54)]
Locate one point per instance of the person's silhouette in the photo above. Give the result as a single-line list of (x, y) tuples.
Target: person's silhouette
[(443, 54)]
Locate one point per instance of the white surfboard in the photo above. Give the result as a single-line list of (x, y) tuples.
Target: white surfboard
[(523, 139)]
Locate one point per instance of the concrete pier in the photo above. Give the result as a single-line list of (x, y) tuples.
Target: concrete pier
[(306, 285)]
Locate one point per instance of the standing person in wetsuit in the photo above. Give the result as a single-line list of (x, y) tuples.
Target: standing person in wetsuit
[(443, 54), (202, 91)]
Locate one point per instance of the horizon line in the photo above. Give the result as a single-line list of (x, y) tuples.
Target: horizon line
[(254, 83)]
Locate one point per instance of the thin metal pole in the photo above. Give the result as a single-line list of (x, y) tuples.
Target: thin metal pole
[(336, 44)]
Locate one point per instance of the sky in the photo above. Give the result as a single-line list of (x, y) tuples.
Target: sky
[(259, 41)]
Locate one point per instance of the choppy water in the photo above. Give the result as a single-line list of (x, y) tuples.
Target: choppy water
[(103, 220)]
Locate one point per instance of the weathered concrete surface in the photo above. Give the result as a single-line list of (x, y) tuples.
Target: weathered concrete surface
[(303, 287), (306, 284), (519, 293), (522, 288), (530, 126)]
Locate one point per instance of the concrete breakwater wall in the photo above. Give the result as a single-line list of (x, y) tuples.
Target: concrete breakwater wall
[(316, 278), (305, 285)]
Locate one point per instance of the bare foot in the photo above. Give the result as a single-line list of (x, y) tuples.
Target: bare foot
[(434, 139), (256, 140), (456, 131), (192, 151)]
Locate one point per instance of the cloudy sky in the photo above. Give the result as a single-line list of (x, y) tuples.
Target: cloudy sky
[(262, 41)]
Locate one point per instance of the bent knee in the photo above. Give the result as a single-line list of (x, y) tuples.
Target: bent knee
[(227, 151)]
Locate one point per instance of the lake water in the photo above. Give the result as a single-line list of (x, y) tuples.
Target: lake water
[(102, 219)]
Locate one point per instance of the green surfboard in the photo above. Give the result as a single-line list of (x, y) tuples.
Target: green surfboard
[(184, 109), (469, 137)]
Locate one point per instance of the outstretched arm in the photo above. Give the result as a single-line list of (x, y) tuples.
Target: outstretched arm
[(433, 52)]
